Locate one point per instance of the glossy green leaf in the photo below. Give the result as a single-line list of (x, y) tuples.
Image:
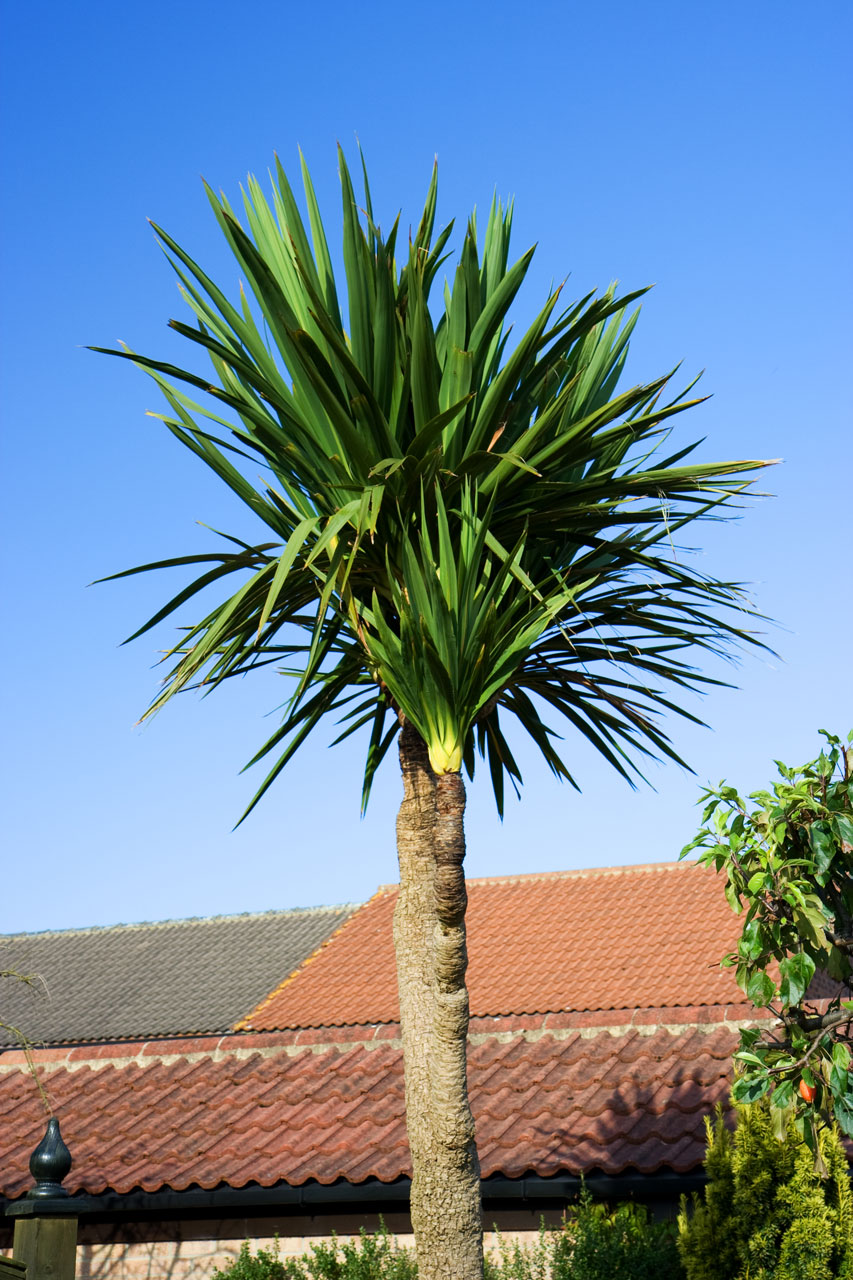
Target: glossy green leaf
[(760, 988), (750, 1088), (843, 1111), (796, 972)]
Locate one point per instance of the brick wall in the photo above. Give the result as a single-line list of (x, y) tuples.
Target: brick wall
[(193, 1259), (194, 1250)]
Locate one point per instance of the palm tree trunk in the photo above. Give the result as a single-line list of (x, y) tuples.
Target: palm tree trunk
[(429, 938)]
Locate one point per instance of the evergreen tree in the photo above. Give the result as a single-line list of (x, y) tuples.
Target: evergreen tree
[(766, 1213)]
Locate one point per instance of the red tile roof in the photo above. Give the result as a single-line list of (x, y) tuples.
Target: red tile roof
[(601, 1034), (262, 1108), (619, 938)]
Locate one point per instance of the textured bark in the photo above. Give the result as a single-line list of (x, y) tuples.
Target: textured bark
[(429, 938)]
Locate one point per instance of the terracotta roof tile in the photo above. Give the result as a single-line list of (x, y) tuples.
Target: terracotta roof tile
[(543, 1102), (619, 938)]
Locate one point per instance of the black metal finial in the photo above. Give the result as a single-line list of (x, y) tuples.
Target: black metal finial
[(49, 1164)]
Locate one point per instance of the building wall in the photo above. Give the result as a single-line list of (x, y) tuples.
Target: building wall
[(190, 1251)]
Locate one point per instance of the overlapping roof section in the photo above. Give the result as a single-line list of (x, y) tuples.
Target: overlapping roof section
[(601, 1035)]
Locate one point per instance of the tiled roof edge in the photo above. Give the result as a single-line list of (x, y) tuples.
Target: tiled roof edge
[(245, 1024), (496, 1014), (577, 873), (387, 1035), (189, 920), (225, 1047)]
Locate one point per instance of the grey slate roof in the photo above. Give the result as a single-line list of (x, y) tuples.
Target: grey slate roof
[(141, 981)]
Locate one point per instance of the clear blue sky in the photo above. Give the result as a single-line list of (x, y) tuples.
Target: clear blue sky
[(703, 147)]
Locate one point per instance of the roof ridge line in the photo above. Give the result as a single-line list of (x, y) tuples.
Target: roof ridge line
[(323, 909), (567, 874), (236, 1049)]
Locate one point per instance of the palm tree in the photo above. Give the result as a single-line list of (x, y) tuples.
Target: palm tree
[(459, 532)]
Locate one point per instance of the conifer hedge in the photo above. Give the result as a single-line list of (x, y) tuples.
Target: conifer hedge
[(767, 1213)]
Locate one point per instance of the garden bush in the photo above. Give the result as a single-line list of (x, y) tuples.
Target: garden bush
[(620, 1244), (262, 1265), (594, 1243), (768, 1213), (516, 1261), (370, 1257)]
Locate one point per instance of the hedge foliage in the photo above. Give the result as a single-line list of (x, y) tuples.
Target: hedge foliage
[(370, 1257), (767, 1213)]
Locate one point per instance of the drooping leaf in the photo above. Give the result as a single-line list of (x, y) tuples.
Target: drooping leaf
[(796, 973), (760, 988)]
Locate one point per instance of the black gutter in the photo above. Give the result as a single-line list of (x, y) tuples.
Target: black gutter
[(316, 1198)]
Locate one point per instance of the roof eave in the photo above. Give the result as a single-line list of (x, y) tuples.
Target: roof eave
[(498, 1192)]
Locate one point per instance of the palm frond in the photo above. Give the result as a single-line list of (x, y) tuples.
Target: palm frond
[(465, 532)]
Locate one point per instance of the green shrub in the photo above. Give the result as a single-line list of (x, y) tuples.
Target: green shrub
[(594, 1243), (619, 1244), (262, 1265), (370, 1257), (766, 1213), (522, 1262)]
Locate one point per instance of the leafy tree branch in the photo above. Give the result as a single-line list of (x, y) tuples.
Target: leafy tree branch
[(787, 857)]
